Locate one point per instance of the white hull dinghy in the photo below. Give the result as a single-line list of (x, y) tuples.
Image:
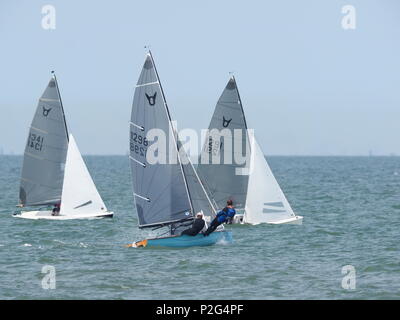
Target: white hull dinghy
[(54, 172), (255, 193), (167, 195)]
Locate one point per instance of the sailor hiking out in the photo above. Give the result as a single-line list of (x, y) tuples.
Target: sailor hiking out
[(225, 215), (197, 226)]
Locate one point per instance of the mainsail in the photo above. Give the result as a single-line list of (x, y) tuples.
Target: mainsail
[(45, 151), (265, 199), (160, 189), (79, 194), (227, 178)]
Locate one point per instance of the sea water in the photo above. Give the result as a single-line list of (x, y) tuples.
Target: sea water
[(351, 210)]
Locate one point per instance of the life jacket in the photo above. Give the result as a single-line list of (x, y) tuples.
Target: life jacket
[(225, 214)]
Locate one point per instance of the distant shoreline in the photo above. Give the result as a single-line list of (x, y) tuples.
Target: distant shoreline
[(274, 155)]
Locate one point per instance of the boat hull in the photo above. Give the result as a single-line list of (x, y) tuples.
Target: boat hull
[(184, 241), (238, 219), (47, 215), (294, 220)]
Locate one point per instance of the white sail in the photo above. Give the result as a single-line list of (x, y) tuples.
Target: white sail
[(265, 201), (79, 195)]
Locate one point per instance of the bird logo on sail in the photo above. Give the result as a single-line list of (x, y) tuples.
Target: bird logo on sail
[(151, 99), (225, 123), (46, 111)]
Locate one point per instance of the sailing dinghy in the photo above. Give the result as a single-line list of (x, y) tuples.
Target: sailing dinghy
[(256, 194), (167, 193), (53, 170)]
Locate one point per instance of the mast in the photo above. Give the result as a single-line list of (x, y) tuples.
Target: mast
[(62, 107), (244, 117), (240, 101)]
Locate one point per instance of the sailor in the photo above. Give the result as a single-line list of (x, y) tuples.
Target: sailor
[(225, 215), (197, 226), (56, 209)]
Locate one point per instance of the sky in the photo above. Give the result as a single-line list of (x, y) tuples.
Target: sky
[(308, 86)]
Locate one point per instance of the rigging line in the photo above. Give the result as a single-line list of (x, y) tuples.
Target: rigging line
[(164, 233), (202, 187)]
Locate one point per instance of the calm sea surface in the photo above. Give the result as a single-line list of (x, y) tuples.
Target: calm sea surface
[(351, 209)]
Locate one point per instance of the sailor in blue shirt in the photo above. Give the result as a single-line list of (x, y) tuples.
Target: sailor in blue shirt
[(225, 215)]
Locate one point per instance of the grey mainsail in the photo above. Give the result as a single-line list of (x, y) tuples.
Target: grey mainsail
[(45, 151), (226, 179), (160, 189), (198, 194)]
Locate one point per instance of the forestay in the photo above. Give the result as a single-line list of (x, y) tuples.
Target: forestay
[(45, 151), (265, 199), (79, 196), (198, 195), (160, 189), (226, 179)]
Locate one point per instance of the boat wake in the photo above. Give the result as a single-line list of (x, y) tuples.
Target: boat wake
[(223, 242)]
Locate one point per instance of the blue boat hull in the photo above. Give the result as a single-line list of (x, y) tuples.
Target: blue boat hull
[(185, 241)]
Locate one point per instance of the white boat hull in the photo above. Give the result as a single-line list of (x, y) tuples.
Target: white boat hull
[(47, 215), (295, 220), (240, 219)]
